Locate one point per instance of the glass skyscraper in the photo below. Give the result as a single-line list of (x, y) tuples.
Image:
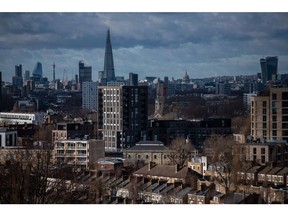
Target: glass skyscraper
[(269, 68)]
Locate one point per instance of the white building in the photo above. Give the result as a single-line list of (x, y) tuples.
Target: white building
[(8, 138), (89, 95), (23, 118), (82, 153)]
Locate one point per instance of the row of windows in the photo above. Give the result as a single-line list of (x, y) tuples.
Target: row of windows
[(147, 156)]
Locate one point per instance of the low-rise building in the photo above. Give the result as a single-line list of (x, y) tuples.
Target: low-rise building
[(23, 118), (147, 151), (8, 138), (82, 153)]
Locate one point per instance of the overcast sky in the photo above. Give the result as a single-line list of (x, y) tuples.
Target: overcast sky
[(150, 44)]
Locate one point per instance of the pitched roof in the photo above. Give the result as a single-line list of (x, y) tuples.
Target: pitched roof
[(163, 171), (283, 171), (265, 170), (274, 171)]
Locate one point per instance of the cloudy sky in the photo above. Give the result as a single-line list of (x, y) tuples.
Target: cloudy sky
[(150, 44)]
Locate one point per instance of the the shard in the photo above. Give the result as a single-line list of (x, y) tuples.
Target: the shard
[(109, 73)]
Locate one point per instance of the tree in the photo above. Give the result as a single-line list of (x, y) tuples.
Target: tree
[(224, 157), (181, 150)]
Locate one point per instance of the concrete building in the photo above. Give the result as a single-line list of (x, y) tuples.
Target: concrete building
[(269, 115), (269, 68), (89, 95), (23, 118), (122, 115), (74, 130), (81, 153), (8, 138)]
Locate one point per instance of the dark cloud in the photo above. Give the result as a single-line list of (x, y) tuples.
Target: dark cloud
[(146, 42)]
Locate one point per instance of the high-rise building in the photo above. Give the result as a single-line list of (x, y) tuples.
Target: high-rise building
[(223, 88), (17, 80), (89, 95), (26, 75), (133, 79), (85, 73), (269, 115), (122, 115), (109, 73), (269, 68), (37, 71)]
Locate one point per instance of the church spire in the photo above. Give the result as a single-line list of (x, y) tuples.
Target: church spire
[(109, 72)]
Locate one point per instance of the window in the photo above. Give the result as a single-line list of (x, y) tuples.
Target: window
[(139, 156), (274, 118), (264, 118), (147, 156), (264, 125), (254, 150), (274, 133), (264, 111), (264, 103), (155, 156), (262, 150), (274, 125), (274, 96)]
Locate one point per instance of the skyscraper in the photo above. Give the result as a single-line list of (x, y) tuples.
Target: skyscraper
[(85, 73), (37, 72), (17, 80), (109, 73), (269, 68)]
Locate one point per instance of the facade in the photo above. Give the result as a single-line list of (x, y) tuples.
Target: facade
[(267, 152), (85, 73), (197, 131), (8, 138), (148, 151), (81, 153), (74, 130), (89, 95), (269, 68), (247, 100), (23, 118), (122, 115), (199, 164), (223, 88), (269, 115)]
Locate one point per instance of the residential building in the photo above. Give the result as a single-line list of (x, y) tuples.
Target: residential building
[(8, 138), (74, 130), (247, 101), (23, 118), (81, 153), (122, 115), (90, 95), (269, 115)]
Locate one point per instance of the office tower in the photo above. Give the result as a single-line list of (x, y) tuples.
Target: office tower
[(17, 80), (269, 115), (223, 88), (53, 67), (85, 73), (133, 79), (269, 68), (161, 95), (37, 71), (26, 75), (122, 115), (109, 73), (89, 95)]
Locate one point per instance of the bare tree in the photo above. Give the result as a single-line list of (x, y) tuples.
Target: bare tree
[(181, 150), (224, 157)]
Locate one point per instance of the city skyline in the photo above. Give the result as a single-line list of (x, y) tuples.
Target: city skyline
[(149, 44)]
